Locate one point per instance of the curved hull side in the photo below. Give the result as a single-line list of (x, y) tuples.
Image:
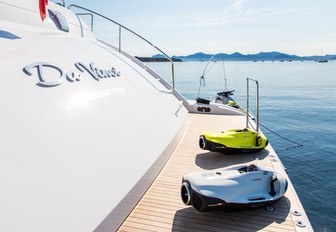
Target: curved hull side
[(76, 140)]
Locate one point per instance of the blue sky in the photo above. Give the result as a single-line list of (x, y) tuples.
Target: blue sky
[(301, 27)]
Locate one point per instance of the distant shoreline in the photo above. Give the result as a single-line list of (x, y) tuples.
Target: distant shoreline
[(259, 57), (157, 59)]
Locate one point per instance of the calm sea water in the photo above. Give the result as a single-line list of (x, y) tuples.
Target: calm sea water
[(297, 101)]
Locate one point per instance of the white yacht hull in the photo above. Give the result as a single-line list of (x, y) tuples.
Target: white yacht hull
[(76, 116)]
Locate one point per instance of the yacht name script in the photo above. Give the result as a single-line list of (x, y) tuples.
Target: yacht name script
[(95, 72)]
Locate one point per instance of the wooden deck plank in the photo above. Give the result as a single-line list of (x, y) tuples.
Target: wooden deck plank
[(161, 208), (205, 219)]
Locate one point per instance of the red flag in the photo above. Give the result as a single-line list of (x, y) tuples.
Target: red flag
[(43, 8)]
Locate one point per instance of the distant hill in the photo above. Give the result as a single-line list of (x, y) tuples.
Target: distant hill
[(261, 56), (157, 58)]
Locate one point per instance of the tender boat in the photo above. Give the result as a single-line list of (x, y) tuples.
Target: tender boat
[(234, 188)]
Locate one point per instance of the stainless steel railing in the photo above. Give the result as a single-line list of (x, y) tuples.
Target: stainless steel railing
[(92, 13), (248, 101)]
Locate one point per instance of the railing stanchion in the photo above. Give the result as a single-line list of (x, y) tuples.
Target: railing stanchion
[(247, 103), (257, 107), (90, 14), (92, 22), (173, 76), (119, 47)]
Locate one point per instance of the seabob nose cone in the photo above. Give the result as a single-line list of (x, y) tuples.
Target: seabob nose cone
[(202, 142)]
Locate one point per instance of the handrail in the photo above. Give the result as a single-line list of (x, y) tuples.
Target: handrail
[(90, 14), (247, 103), (129, 30), (61, 4)]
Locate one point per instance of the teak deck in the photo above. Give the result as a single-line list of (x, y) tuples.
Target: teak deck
[(161, 208)]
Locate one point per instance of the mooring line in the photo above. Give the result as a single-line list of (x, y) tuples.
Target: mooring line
[(297, 145)]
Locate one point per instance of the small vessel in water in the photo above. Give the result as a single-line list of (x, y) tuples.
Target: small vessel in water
[(233, 188), (322, 60)]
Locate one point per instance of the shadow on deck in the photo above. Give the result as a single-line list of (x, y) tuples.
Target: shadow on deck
[(214, 160), (189, 219)]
